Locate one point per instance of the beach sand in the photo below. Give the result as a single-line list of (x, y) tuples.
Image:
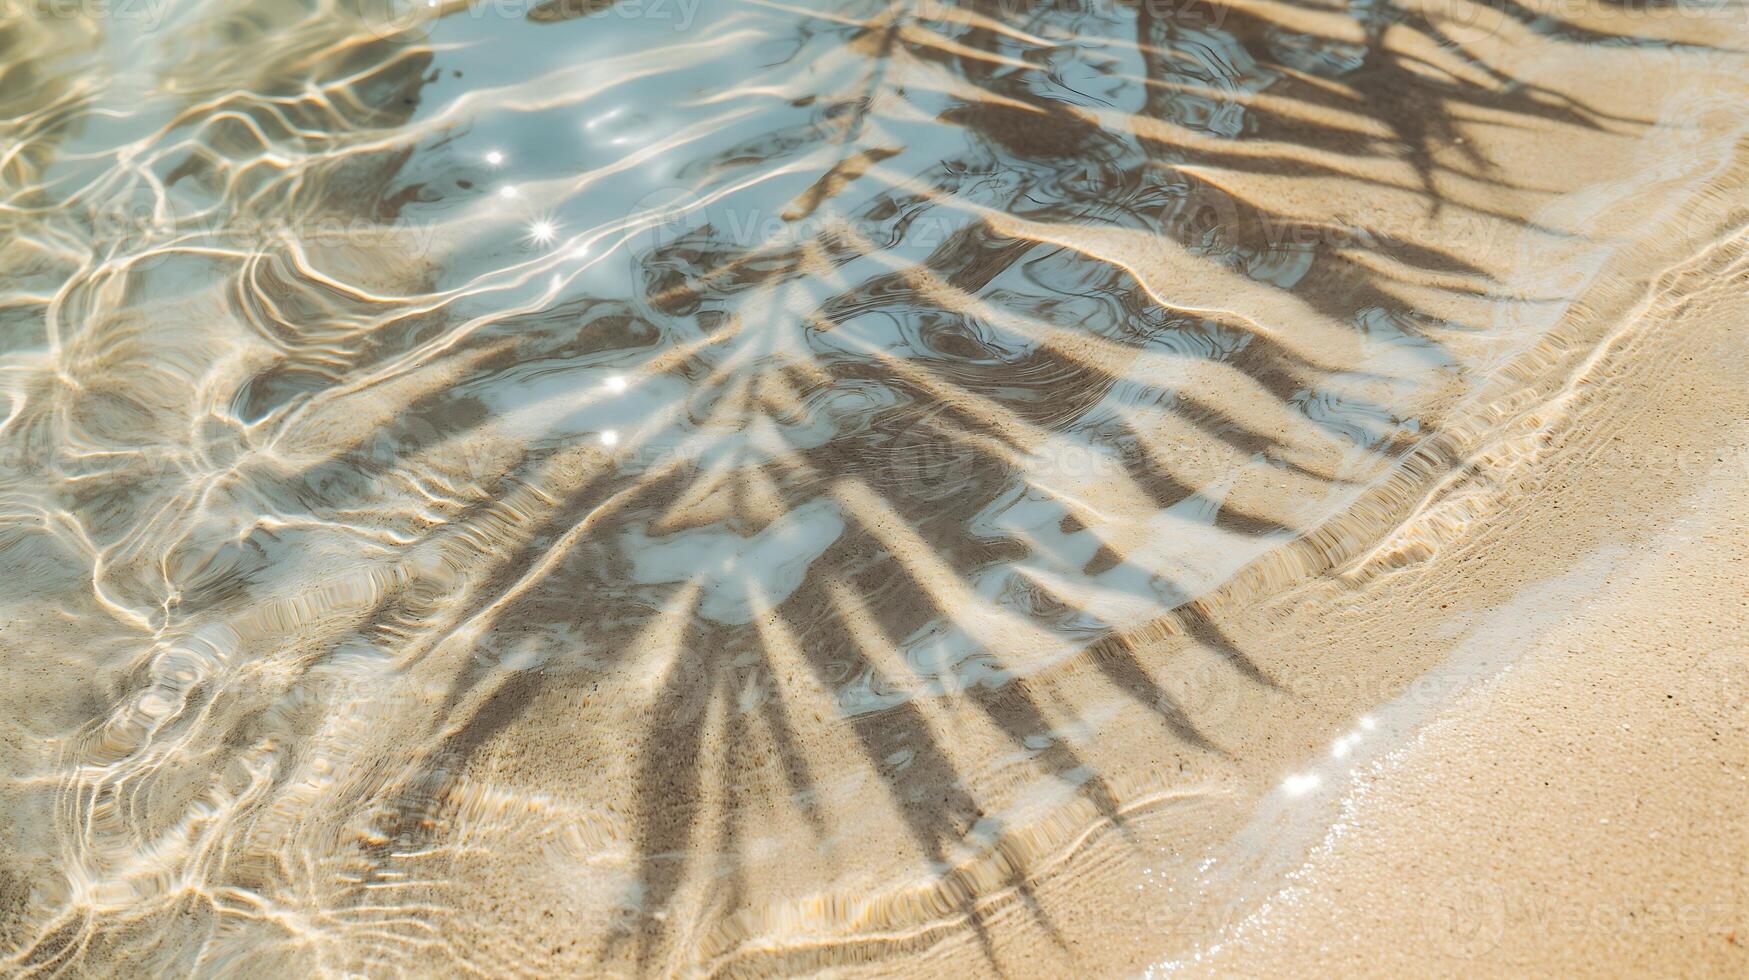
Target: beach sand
[(1406, 638), (1510, 736), (1585, 811)]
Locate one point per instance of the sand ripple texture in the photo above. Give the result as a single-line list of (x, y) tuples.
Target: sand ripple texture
[(740, 487)]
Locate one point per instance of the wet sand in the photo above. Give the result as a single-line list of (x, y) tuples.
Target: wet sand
[(1582, 815), (1580, 808), (1509, 735)]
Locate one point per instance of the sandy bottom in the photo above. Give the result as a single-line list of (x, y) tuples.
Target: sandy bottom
[(1585, 812), (876, 490)]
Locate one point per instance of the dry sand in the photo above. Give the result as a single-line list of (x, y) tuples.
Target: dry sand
[(1585, 814), (1586, 811)]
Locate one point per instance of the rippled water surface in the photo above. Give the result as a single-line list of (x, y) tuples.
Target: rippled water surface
[(704, 486)]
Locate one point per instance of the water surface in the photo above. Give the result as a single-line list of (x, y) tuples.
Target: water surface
[(706, 486)]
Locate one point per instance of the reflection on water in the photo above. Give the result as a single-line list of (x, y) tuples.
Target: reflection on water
[(642, 487)]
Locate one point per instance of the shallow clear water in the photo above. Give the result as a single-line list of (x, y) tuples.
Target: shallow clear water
[(692, 485)]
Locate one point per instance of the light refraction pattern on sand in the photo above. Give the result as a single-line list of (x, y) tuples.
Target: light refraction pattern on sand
[(613, 470)]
